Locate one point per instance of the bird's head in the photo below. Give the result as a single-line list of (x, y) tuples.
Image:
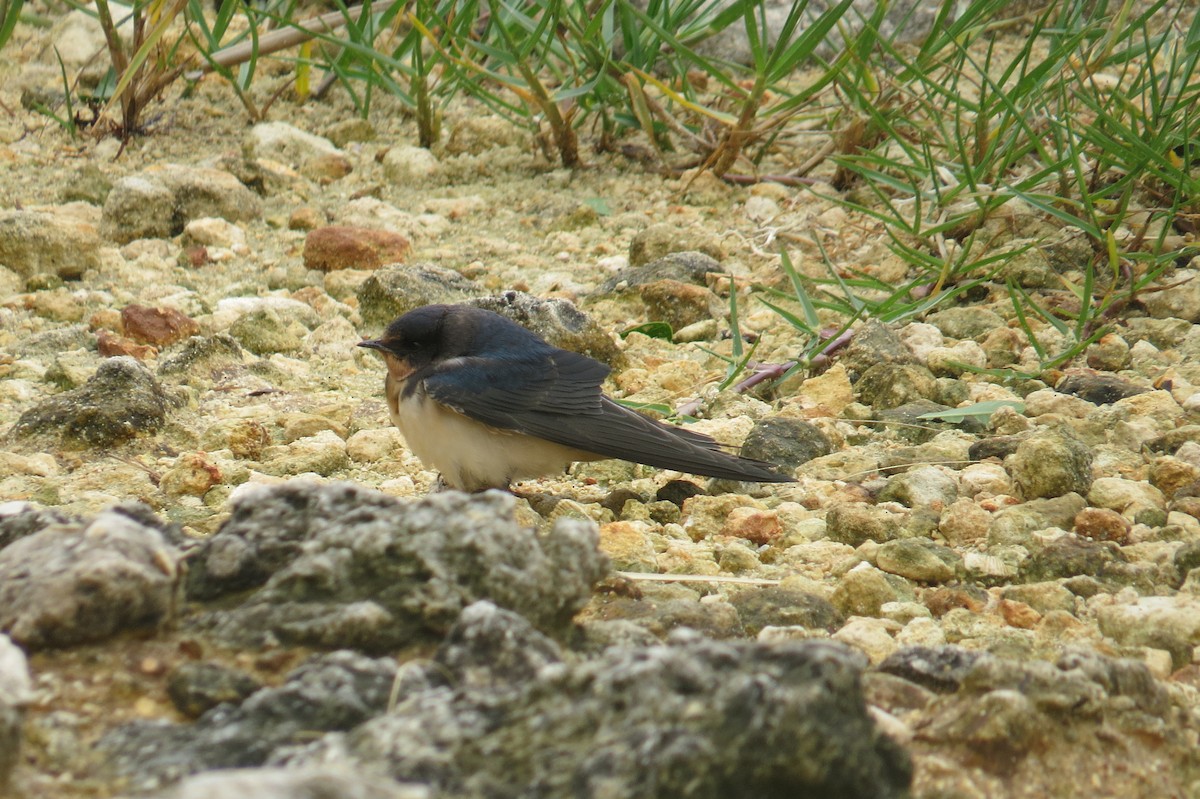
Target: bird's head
[(413, 341), (434, 333)]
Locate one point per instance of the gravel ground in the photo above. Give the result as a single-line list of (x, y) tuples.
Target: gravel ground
[(217, 553)]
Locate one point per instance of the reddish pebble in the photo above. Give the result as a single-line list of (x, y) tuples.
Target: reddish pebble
[(110, 345), (1018, 614), (158, 326), (756, 526), (192, 474), (941, 601), (1170, 476), (341, 247), (1102, 524), (196, 255)]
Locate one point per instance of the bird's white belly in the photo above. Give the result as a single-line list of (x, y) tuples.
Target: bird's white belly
[(472, 456)]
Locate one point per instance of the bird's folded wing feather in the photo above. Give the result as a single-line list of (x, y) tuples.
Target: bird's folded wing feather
[(556, 396)]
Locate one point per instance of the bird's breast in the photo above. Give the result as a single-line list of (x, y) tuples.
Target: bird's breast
[(470, 455)]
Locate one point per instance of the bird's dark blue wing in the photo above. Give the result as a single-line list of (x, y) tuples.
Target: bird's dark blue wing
[(555, 395), (513, 393)]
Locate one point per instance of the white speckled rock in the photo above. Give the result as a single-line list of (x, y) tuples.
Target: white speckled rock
[(964, 522), (922, 338), (1127, 497), (56, 240), (407, 165), (314, 156), (921, 631), (368, 446), (323, 454), (953, 360), (336, 338), (230, 309), (984, 479), (213, 232), (871, 636), (1163, 622), (1047, 400), (1181, 302)]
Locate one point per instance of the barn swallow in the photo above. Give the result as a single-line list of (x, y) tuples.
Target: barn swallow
[(485, 402)]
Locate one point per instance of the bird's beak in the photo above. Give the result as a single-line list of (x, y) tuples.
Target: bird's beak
[(373, 344)]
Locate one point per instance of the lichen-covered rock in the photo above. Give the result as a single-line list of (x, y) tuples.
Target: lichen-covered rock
[(122, 400), (875, 343), (265, 331), (198, 686), (323, 453), (776, 606), (854, 524), (685, 267), (966, 323), (627, 724), (1016, 525), (340, 566), (656, 242), (1020, 710), (333, 691), (922, 486), (397, 289), (499, 712), (202, 359), (559, 322), (863, 591), (785, 442), (19, 519), (918, 559), (1070, 556), (1050, 465), (75, 583), (890, 385)]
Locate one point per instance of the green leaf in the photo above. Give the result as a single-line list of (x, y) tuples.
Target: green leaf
[(980, 410), (652, 329), (656, 407)]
